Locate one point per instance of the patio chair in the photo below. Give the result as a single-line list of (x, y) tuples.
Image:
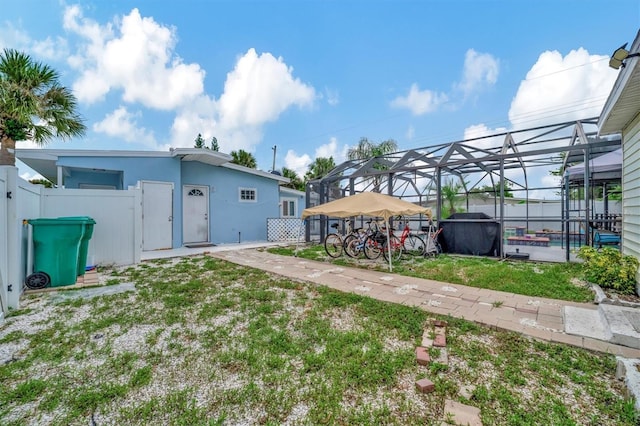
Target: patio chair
[(602, 237)]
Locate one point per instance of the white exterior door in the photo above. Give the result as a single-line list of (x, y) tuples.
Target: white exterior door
[(195, 214), (157, 215)]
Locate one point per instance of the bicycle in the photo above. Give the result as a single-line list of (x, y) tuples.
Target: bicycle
[(412, 244), (334, 242), (357, 243), (432, 245), (408, 242)]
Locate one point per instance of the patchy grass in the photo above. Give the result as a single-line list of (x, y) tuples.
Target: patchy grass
[(538, 279), (204, 341)]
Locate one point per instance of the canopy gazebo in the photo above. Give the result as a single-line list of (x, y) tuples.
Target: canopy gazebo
[(370, 204)]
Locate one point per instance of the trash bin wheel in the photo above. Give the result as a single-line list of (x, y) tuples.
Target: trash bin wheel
[(38, 280)]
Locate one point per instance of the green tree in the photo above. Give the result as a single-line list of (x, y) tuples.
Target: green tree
[(295, 181), (214, 144), (450, 196), (244, 158), (199, 142), (44, 182), (494, 190), (367, 149), (33, 105), (319, 168)]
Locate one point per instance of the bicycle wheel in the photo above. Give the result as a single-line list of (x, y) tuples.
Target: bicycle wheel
[(333, 245), (396, 249), (432, 247), (413, 245), (372, 249), (352, 246)]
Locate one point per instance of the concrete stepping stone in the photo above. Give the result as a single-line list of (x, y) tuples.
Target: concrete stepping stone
[(461, 414)]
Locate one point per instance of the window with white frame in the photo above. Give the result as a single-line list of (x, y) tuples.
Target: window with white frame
[(289, 208), (247, 195)]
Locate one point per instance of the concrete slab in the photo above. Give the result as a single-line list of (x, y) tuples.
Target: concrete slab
[(585, 322), (627, 370), (461, 414), (88, 293), (623, 324)]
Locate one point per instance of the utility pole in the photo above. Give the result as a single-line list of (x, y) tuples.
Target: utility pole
[(273, 168)]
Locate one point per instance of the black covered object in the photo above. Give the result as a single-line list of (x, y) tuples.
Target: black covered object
[(470, 233)]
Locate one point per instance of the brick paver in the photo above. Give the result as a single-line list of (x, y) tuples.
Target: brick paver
[(537, 317)]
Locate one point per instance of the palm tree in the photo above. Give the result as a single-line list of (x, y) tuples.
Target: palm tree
[(367, 149), (33, 105), (450, 194), (295, 181), (320, 168), (244, 158)]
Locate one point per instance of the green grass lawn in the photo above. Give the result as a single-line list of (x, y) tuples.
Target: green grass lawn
[(203, 341), (552, 280)]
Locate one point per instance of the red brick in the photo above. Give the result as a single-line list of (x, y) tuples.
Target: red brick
[(440, 341), (439, 323), (425, 386), (422, 355)]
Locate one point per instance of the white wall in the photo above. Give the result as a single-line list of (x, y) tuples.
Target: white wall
[(117, 234)]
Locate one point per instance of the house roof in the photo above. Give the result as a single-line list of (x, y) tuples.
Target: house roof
[(291, 191), (622, 105), (44, 161)]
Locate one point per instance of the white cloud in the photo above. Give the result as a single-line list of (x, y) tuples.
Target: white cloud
[(418, 101), (259, 89), (133, 54), (300, 163), (49, 49), (480, 70), (297, 163), (122, 124), (558, 89), (237, 117), (332, 149), (480, 130), (333, 97), (411, 131), (30, 175)]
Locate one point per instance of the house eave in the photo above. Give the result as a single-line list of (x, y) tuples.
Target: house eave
[(621, 106), (256, 172), (206, 156)]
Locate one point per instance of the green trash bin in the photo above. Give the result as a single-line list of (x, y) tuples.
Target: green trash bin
[(84, 241), (56, 244)]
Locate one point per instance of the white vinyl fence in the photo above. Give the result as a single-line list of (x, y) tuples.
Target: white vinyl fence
[(542, 215), (117, 234), (116, 239)]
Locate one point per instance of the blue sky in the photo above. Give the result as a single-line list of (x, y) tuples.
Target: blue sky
[(313, 77)]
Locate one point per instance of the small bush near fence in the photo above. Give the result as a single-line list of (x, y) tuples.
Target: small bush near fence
[(610, 269)]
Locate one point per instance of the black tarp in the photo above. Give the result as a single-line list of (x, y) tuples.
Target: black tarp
[(470, 233)]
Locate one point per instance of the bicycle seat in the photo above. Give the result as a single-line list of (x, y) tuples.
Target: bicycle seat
[(335, 226)]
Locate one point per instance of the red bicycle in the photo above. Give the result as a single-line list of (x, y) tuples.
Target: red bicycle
[(408, 242)]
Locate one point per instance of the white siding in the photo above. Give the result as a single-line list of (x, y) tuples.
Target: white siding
[(631, 188), (117, 234)]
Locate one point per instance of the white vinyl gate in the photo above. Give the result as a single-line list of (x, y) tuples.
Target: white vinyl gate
[(157, 215)]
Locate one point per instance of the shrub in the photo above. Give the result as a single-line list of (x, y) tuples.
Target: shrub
[(610, 269)]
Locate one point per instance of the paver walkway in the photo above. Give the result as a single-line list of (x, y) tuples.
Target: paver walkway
[(537, 317)]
